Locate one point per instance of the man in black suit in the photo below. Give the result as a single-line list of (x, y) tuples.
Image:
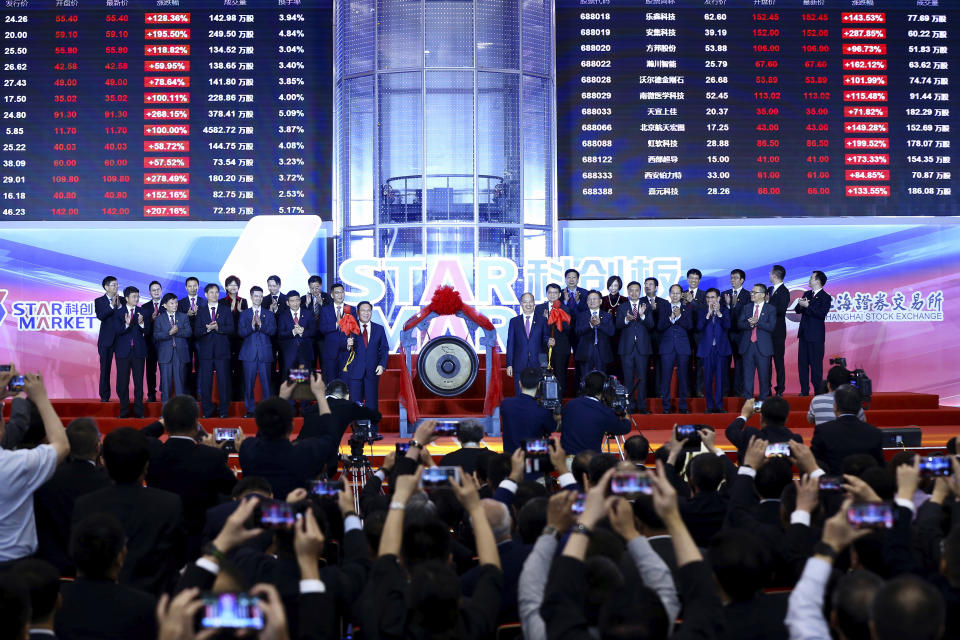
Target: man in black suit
[(594, 328), (556, 339), (471, 454), (130, 349), (313, 301), (344, 412), (574, 301), (756, 322), (214, 328), (522, 417), (152, 518), (53, 502), (198, 473), (95, 606), (660, 308), (779, 296), (42, 582), (103, 307), (773, 421), (813, 308), (736, 297), (697, 298), (276, 301), (835, 440), (704, 511), (151, 308), (636, 324), (586, 419), (271, 454), (190, 304)]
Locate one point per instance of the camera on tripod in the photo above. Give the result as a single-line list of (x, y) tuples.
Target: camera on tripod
[(858, 379), (615, 396), (548, 392), (364, 433)]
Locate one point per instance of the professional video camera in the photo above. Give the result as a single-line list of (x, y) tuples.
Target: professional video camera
[(858, 378), (548, 392), (364, 433), (615, 395)]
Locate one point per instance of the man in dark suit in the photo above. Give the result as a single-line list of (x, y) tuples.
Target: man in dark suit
[(151, 309), (42, 582), (276, 300), (586, 419), (676, 321), (295, 331), (104, 307), (315, 300), (524, 340), (237, 305), (255, 327), (660, 308), (344, 411), (697, 299), (272, 456), (574, 301), (151, 518), (332, 359), (833, 441), (594, 328), (757, 321), (213, 330), (556, 341), (713, 321), (635, 320), (130, 349), (813, 308), (190, 304), (704, 511), (522, 417), (198, 473), (171, 330), (471, 453), (370, 358), (779, 297), (773, 425), (53, 502), (95, 607), (735, 298)]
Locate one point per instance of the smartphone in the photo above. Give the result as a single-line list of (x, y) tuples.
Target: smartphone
[(446, 427), (299, 375), (225, 433), (689, 432), (273, 514), (577, 506), (325, 488), (538, 447), (778, 450), (870, 515), (934, 466), (16, 384), (402, 448), (231, 611), (433, 477), (831, 483), (4, 368), (630, 484)]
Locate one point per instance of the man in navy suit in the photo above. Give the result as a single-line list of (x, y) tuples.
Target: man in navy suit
[(255, 327), (151, 309), (104, 307), (214, 328), (735, 298), (635, 321), (190, 304), (276, 300), (333, 358), (659, 307), (171, 330), (757, 321), (130, 349), (315, 300), (594, 328), (524, 340), (713, 322), (574, 301), (522, 416), (813, 308), (696, 298), (586, 419), (558, 339), (295, 331), (370, 358), (676, 320), (779, 297)]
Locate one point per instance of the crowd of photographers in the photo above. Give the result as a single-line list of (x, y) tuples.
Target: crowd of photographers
[(148, 533)]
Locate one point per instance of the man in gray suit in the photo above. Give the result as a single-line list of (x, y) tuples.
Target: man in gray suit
[(171, 328), (757, 321)]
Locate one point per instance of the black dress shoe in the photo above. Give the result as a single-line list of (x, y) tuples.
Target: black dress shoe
[(668, 410), (207, 415), (643, 411), (684, 410), (223, 416), (151, 398), (804, 394), (248, 415), (125, 413)]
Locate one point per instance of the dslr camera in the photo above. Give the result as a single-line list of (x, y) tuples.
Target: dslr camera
[(615, 396)]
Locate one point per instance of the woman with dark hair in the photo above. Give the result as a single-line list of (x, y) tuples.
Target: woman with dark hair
[(612, 300)]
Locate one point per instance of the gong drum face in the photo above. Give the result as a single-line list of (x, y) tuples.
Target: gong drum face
[(448, 366)]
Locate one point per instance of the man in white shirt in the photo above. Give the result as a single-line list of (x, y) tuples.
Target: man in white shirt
[(23, 471)]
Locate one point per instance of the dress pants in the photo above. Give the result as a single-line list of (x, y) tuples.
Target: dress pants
[(667, 362), (222, 367), (713, 380), (810, 363), (779, 348), (755, 364), (365, 390), (251, 370), (126, 367), (560, 363), (151, 371), (106, 362), (635, 378), (172, 378)]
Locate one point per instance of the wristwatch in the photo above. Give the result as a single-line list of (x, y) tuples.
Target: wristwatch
[(414, 443), (551, 530), (582, 528), (211, 550), (823, 549)]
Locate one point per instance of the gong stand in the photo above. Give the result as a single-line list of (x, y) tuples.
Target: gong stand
[(448, 364)]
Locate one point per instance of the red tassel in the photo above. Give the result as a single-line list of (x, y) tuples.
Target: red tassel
[(406, 395), (494, 394), (557, 317), (446, 301), (348, 324)]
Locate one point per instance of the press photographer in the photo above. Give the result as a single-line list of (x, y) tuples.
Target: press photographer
[(588, 417), (523, 417)]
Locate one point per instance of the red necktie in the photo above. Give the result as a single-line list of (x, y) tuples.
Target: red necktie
[(366, 340), (296, 319), (756, 315), (636, 310)]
